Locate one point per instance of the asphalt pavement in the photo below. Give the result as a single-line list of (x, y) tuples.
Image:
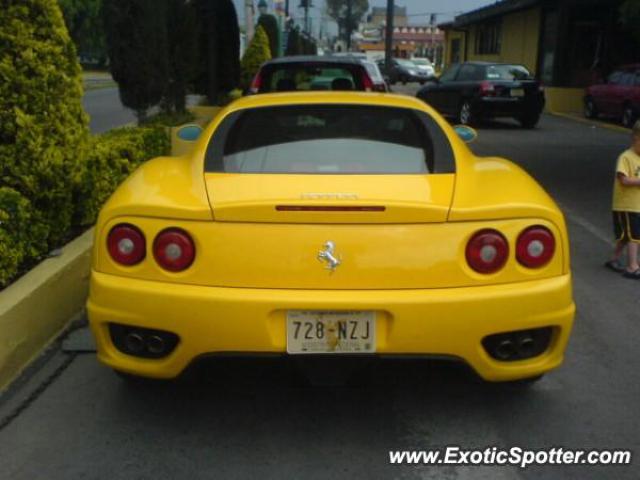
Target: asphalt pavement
[(105, 110), (259, 420)]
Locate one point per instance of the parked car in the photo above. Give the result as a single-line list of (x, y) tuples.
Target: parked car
[(618, 98), (304, 73), (474, 91), (404, 71), (379, 82), (425, 65), (335, 224)]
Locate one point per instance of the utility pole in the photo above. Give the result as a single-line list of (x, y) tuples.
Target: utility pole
[(349, 23), (248, 19), (388, 47)]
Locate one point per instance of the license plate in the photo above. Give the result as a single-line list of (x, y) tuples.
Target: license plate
[(330, 332), (517, 92)]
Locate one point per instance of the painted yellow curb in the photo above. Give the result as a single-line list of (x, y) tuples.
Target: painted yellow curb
[(37, 307), (597, 123)]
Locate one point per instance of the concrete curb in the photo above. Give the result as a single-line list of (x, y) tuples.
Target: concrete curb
[(37, 307), (596, 123)]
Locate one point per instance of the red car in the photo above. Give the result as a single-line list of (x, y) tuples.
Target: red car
[(618, 98)]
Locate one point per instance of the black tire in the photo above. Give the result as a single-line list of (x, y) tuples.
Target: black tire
[(590, 109), (404, 80), (529, 121), (465, 113), (628, 116), (422, 82)]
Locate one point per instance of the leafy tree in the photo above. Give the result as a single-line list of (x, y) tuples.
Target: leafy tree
[(257, 53), (136, 32), (270, 25), (294, 43), (219, 49), (347, 14), (85, 26), (630, 18), (42, 125), (181, 53)]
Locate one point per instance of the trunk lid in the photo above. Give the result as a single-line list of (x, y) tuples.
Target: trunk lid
[(357, 199)]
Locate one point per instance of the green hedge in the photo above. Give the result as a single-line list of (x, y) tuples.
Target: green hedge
[(106, 161), (110, 159)]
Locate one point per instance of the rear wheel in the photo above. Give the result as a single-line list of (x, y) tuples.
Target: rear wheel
[(590, 110), (465, 116), (628, 116), (529, 121)]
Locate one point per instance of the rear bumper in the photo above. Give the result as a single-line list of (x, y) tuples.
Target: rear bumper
[(507, 106), (448, 322)]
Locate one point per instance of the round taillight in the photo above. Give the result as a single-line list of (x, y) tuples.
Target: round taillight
[(174, 250), (487, 251), (126, 244), (535, 247)]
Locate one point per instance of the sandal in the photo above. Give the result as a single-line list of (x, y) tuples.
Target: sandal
[(632, 275), (615, 266)]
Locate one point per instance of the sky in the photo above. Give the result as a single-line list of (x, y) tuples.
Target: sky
[(446, 9)]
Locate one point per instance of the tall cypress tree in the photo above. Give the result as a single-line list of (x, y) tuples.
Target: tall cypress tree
[(219, 48), (43, 127), (270, 25), (181, 53), (136, 33)]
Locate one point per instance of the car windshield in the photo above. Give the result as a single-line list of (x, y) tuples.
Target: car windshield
[(328, 139), (406, 63), (290, 77), (507, 72)]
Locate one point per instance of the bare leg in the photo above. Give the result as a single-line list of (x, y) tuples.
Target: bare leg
[(619, 248), (633, 257)]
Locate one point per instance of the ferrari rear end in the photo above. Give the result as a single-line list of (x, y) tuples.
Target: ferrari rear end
[(331, 225)]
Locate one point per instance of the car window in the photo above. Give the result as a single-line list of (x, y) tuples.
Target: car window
[(450, 73), (627, 78), (507, 73), (637, 81), (304, 77), (373, 71), (615, 78), (469, 72), (328, 139), (406, 63)]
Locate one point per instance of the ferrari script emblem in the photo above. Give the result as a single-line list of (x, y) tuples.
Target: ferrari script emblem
[(328, 256)]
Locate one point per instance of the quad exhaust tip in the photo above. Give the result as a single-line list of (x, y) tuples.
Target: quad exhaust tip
[(143, 342), (518, 345)]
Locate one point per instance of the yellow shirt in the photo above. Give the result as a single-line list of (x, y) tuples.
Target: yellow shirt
[(627, 198)]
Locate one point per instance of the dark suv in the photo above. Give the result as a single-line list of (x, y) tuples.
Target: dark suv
[(618, 98), (305, 73), (473, 91)]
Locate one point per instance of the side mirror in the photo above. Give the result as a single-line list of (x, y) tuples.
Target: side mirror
[(189, 133), (467, 134)]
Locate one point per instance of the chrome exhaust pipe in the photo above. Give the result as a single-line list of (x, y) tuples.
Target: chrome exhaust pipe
[(526, 345), (134, 342), (155, 344), (505, 350)]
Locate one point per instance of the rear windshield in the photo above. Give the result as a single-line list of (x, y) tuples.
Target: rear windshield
[(314, 76), (508, 73), (328, 139)]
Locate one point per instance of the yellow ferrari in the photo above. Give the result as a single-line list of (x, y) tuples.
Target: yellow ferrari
[(331, 224)]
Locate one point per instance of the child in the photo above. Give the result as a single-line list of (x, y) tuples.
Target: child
[(626, 208)]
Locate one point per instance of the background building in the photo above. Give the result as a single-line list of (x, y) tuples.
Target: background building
[(408, 40), (568, 44)]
